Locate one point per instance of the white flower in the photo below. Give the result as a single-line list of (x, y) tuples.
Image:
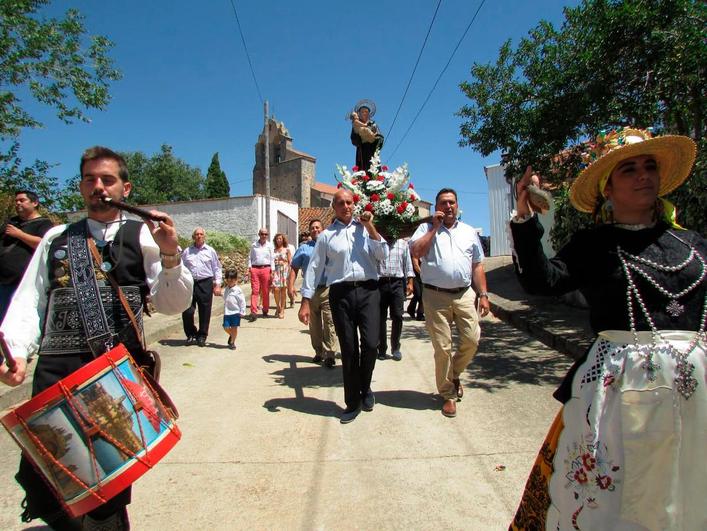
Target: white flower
[(375, 186), (375, 162)]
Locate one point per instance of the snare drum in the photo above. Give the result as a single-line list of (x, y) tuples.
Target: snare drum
[(95, 432)]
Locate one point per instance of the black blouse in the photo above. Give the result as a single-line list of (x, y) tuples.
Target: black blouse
[(590, 263)]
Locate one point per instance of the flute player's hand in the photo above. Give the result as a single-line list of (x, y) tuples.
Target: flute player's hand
[(164, 233)]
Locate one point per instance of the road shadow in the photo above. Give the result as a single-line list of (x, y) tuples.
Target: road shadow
[(305, 404), (505, 358), (300, 374), (408, 399), (174, 343)]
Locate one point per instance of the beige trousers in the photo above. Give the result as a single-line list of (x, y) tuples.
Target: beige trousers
[(441, 309), (321, 325)]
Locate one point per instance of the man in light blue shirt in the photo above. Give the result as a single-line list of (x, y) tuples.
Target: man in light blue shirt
[(347, 253), (450, 256), (321, 325)]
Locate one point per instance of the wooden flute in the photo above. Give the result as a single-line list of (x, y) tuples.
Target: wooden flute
[(144, 214), (6, 354)]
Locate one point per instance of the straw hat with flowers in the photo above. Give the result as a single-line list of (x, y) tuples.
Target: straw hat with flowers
[(674, 155)]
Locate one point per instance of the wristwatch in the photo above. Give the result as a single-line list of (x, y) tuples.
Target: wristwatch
[(170, 260), (484, 294)]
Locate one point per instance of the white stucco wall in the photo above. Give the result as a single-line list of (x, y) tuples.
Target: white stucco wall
[(242, 216)]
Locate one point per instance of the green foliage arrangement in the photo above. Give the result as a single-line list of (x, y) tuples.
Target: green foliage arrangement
[(56, 63), (612, 62)]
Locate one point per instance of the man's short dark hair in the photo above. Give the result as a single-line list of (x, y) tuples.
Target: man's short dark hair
[(30, 195), (100, 152), (446, 191), (314, 221)]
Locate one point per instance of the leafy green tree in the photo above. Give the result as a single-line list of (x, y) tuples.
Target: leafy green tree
[(612, 62), (216, 181), (53, 62), (163, 178)]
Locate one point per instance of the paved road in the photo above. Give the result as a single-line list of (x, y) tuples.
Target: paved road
[(263, 447)]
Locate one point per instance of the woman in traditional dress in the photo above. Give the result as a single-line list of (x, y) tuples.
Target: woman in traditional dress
[(628, 448), (282, 259)]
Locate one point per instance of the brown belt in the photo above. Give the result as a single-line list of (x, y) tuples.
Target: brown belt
[(444, 290)]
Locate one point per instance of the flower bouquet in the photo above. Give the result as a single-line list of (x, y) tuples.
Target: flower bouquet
[(389, 195)]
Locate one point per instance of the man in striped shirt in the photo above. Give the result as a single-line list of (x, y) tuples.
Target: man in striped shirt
[(394, 282)]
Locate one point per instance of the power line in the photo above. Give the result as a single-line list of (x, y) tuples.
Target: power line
[(438, 79), (245, 47), (429, 29)]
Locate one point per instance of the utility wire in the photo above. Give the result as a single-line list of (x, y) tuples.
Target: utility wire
[(429, 29), (245, 47), (438, 79)]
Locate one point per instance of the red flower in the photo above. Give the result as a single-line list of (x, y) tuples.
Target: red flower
[(411, 187), (390, 196), (366, 178), (375, 197), (338, 185), (404, 204), (400, 209), (588, 461), (355, 168), (384, 168), (369, 207), (380, 178), (604, 482), (354, 181), (356, 198), (581, 476), (412, 199)]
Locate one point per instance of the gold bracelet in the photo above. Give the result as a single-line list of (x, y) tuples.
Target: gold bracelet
[(170, 260)]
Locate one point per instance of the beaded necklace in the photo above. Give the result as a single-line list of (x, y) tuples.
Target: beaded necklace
[(685, 382)]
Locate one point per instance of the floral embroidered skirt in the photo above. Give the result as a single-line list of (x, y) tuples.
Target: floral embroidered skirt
[(628, 450)]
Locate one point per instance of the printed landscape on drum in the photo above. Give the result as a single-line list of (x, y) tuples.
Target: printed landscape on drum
[(119, 415)]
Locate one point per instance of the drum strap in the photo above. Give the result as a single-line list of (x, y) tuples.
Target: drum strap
[(126, 306), (83, 276)]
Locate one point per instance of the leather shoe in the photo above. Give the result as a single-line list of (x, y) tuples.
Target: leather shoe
[(459, 388), (201, 341), (348, 416), (449, 409), (317, 358), (369, 400), (329, 363)]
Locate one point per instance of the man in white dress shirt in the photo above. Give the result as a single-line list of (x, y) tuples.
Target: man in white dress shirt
[(202, 260), (347, 253), (261, 262), (450, 256), (142, 258)]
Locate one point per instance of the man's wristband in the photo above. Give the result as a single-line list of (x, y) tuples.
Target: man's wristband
[(483, 294), (170, 260)]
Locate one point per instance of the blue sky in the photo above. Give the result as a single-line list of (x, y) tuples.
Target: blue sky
[(186, 83)]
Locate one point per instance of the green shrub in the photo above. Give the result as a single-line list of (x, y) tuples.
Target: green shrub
[(222, 242)]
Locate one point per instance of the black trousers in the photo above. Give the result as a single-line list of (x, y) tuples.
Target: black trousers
[(392, 294), (354, 309), (203, 297), (415, 307)]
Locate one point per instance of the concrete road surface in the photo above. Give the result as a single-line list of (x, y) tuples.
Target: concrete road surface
[(263, 448)]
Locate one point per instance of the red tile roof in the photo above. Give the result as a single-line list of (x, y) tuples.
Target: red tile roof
[(325, 188), (326, 215)]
